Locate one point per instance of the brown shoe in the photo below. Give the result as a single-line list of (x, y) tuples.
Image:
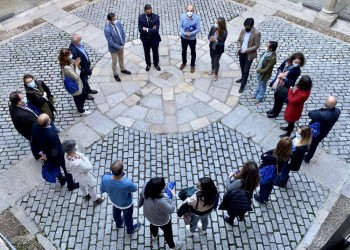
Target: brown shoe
[(182, 66), (99, 201), (192, 69)]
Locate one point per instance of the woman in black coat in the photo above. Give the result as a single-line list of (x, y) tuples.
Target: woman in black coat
[(287, 74), (301, 144), (240, 186), (217, 37)]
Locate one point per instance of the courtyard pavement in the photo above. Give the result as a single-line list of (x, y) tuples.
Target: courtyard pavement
[(171, 123)]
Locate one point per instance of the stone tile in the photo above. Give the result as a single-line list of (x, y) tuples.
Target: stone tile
[(202, 84), (219, 106), (183, 100), (132, 100), (199, 123), (99, 123), (83, 135), (136, 112), (117, 110), (232, 101), (168, 94), (218, 93), (235, 117), (169, 107), (125, 121), (152, 101), (200, 109), (185, 115), (130, 87), (115, 99), (141, 125), (154, 116), (200, 95)]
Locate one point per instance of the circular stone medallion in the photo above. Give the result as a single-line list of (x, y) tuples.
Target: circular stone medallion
[(169, 76)]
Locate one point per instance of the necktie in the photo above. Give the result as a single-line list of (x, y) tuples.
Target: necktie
[(117, 31)]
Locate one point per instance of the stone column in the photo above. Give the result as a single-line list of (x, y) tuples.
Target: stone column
[(327, 16)]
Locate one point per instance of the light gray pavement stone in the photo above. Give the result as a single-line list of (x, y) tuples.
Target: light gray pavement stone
[(82, 134)]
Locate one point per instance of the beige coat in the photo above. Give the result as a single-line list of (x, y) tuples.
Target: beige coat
[(81, 170), (253, 43), (73, 73)]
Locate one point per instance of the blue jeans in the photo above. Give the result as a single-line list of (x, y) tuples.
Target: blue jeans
[(202, 218), (127, 218), (261, 89), (265, 191)]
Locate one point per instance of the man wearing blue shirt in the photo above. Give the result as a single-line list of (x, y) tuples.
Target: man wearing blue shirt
[(119, 190), (189, 27)]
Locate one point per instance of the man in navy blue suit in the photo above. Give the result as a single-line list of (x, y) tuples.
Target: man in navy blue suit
[(77, 49), (149, 35), (115, 36), (46, 141)]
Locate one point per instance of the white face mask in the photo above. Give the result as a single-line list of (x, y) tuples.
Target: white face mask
[(71, 56), (189, 14), (25, 100)]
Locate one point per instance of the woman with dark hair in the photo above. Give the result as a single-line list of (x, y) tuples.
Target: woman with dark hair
[(39, 95), (240, 186), (264, 71), (157, 208), (296, 99), (287, 74), (278, 158), (70, 69), (79, 166), (201, 203), (217, 37)]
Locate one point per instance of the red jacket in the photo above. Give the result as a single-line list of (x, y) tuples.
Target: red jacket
[(295, 104)]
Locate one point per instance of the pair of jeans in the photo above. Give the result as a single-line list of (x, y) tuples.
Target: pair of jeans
[(215, 59), (192, 43), (79, 101), (315, 141), (168, 233), (147, 46), (127, 218), (265, 191), (245, 67), (202, 218), (261, 89)]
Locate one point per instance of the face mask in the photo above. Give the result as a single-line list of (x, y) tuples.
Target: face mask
[(81, 43), (216, 25), (71, 56), (25, 100), (31, 84), (248, 30), (149, 15), (298, 136), (266, 49), (189, 14), (295, 65)]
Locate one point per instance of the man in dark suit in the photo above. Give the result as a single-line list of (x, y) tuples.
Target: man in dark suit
[(325, 118), (77, 49), (149, 35), (47, 141)]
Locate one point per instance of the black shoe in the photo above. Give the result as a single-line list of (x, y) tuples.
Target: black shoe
[(126, 72), (93, 91), (117, 78), (87, 197), (239, 80), (284, 128), (148, 67), (157, 67), (257, 198), (273, 115), (62, 181), (306, 161), (89, 98), (284, 135), (241, 90), (75, 186), (136, 228), (98, 201), (241, 218), (271, 111), (227, 220)]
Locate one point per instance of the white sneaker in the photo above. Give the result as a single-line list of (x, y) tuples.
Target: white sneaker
[(86, 107), (86, 112), (189, 233), (201, 231)]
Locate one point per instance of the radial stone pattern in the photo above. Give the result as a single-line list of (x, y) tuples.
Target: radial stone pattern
[(170, 100)]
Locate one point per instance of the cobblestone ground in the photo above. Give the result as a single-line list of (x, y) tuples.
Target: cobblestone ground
[(326, 63), (169, 11), (213, 151), (35, 53)]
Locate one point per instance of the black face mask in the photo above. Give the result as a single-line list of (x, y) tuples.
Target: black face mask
[(149, 15), (248, 30)]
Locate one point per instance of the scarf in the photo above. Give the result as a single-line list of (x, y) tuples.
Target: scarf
[(263, 57)]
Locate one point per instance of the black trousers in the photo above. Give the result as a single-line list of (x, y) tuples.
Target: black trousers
[(290, 128), (79, 101), (215, 61), (86, 87), (68, 177), (278, 104), (315, 141), (192, 43), (147, 46), (245, 68), (168, 233)]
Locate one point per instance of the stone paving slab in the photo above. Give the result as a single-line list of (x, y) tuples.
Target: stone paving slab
[(79, 133)]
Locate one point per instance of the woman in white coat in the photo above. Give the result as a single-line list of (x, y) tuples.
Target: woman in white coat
[(80, 168)]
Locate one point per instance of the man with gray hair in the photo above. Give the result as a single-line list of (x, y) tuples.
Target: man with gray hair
[(78, 51), (120, 189), (322, 121)]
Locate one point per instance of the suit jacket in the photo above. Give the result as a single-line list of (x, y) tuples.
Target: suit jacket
[(47, 141), (153, 33), (253, 43), (220, 45), (115, 41), (85, 64), (23, 120)]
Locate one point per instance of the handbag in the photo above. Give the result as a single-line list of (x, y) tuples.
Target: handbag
[(70, 85), (188, 218), (315, 128), (49, 172)]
